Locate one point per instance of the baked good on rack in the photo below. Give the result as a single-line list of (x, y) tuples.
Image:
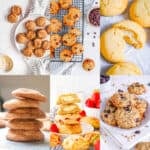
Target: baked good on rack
[(68, 109), (24, 103), (45, 45), (66, 55), (21, 38), (123, 99), (31, 35), (39, 52), (112, 7), (69, 129), (25, 113), (54, 7), (88, 64), (136, 88), (77, 49), (41, 33), (55, 41), (139, 12), (55, 25), (124, 68), (25, 135), (37, 43), (30, 44), (24, 124), (40, 21), (16, 10), (23, 93), (74, 13), (65, 4), (127, 118), (30, 25), (69, 39), (67, 21), (92, 121), (75, 143), (75, 31), (142, 146), (27, 52), (12, 18), (69, 98)]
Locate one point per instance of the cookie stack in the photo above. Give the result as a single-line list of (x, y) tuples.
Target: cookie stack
[(22, 114), (68, 117)]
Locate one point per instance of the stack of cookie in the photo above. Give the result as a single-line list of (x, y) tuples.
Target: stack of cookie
[(68, 117), (22, 114)]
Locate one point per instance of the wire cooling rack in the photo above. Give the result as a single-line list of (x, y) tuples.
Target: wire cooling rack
[(79, 25)]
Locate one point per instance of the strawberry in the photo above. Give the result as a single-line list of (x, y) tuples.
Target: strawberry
[(54, 128), (98, 104), (82, 113), (97, 145), (96, 96), (90, 103)]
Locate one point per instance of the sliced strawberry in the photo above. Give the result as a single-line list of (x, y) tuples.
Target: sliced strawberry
[(54, 128), (96, 96), (90, 103), (98, 104), (97, 145), (82, 113)]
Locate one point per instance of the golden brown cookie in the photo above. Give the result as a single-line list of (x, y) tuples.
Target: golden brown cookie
[(74, 13), (66, 55), (54, 7), (25, 113), (41, 21), (55, 41), (24, 124), (75, 31), (24, 103), (41, 34), (45, 45), (31, 35), (29, 93), (30, 25), (21, 38), (30, 45), (16, 10), (12, 18), (55, 25), (69, 39), (67, 21), (25, 135), (142, 146), (27, 52), (65, 4), (39, 52), (37, 43), (88, 64), (77, 49)]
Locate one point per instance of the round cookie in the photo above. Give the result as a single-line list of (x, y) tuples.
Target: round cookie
[(67, 21), (124, 68), (16, 10), (65, 4), (12, 18), (40, 21), (25, 113), (66, 55), (74, 13), (127, 118), (112, 7), (136, 88), (30, 45), (139, 12), (30, 25), (39, 52), (55, 41), (75, 31), (27, 52), (45, 45), (24, 103), (77, 49), (29, 93), (69, 39), (21, 38), (25, 135), (54, 7), (41, 34), (88, 64), (24, 124), (31, 35), (55, 25), (37, 43)]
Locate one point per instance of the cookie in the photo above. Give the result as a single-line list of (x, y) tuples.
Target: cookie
[(12, 18), (40, 21), (69, 39), (24, 103), (127, 118), (25, 135), (108, 115), (123, 99), (55, 41), (41, 34), (65, 4), (136, 88), (138, 12), (88, 64), (112, 7), (21, 38), (31, 35), (68, 119), (37, 43), (30, 25), (67, 21), (27, 52), (68, 99), (30, 45), (69, 129), (75, 31), (54, 7), (45, 45), (25, 113), (24, 124), (92, 121), (142, 146), (66, 55), (75, 143), (55, 25), (2, 123), (74, 13), (124, 68), (29, 93), (39, 52), (68, 109), (16, 10), (77, 49)]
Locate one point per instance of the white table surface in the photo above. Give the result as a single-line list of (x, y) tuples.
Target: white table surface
[(20, 66), (107, 143)]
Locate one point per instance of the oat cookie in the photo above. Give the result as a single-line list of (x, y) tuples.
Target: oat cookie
[(55, 41), (65, 4), (21, 38), (88, 64), (27, 52), (55, 25), (54, 7), (30, 25), (66, 55), (41, 34), (41, 21), (31, 35), (77, 49), (69, 39)]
